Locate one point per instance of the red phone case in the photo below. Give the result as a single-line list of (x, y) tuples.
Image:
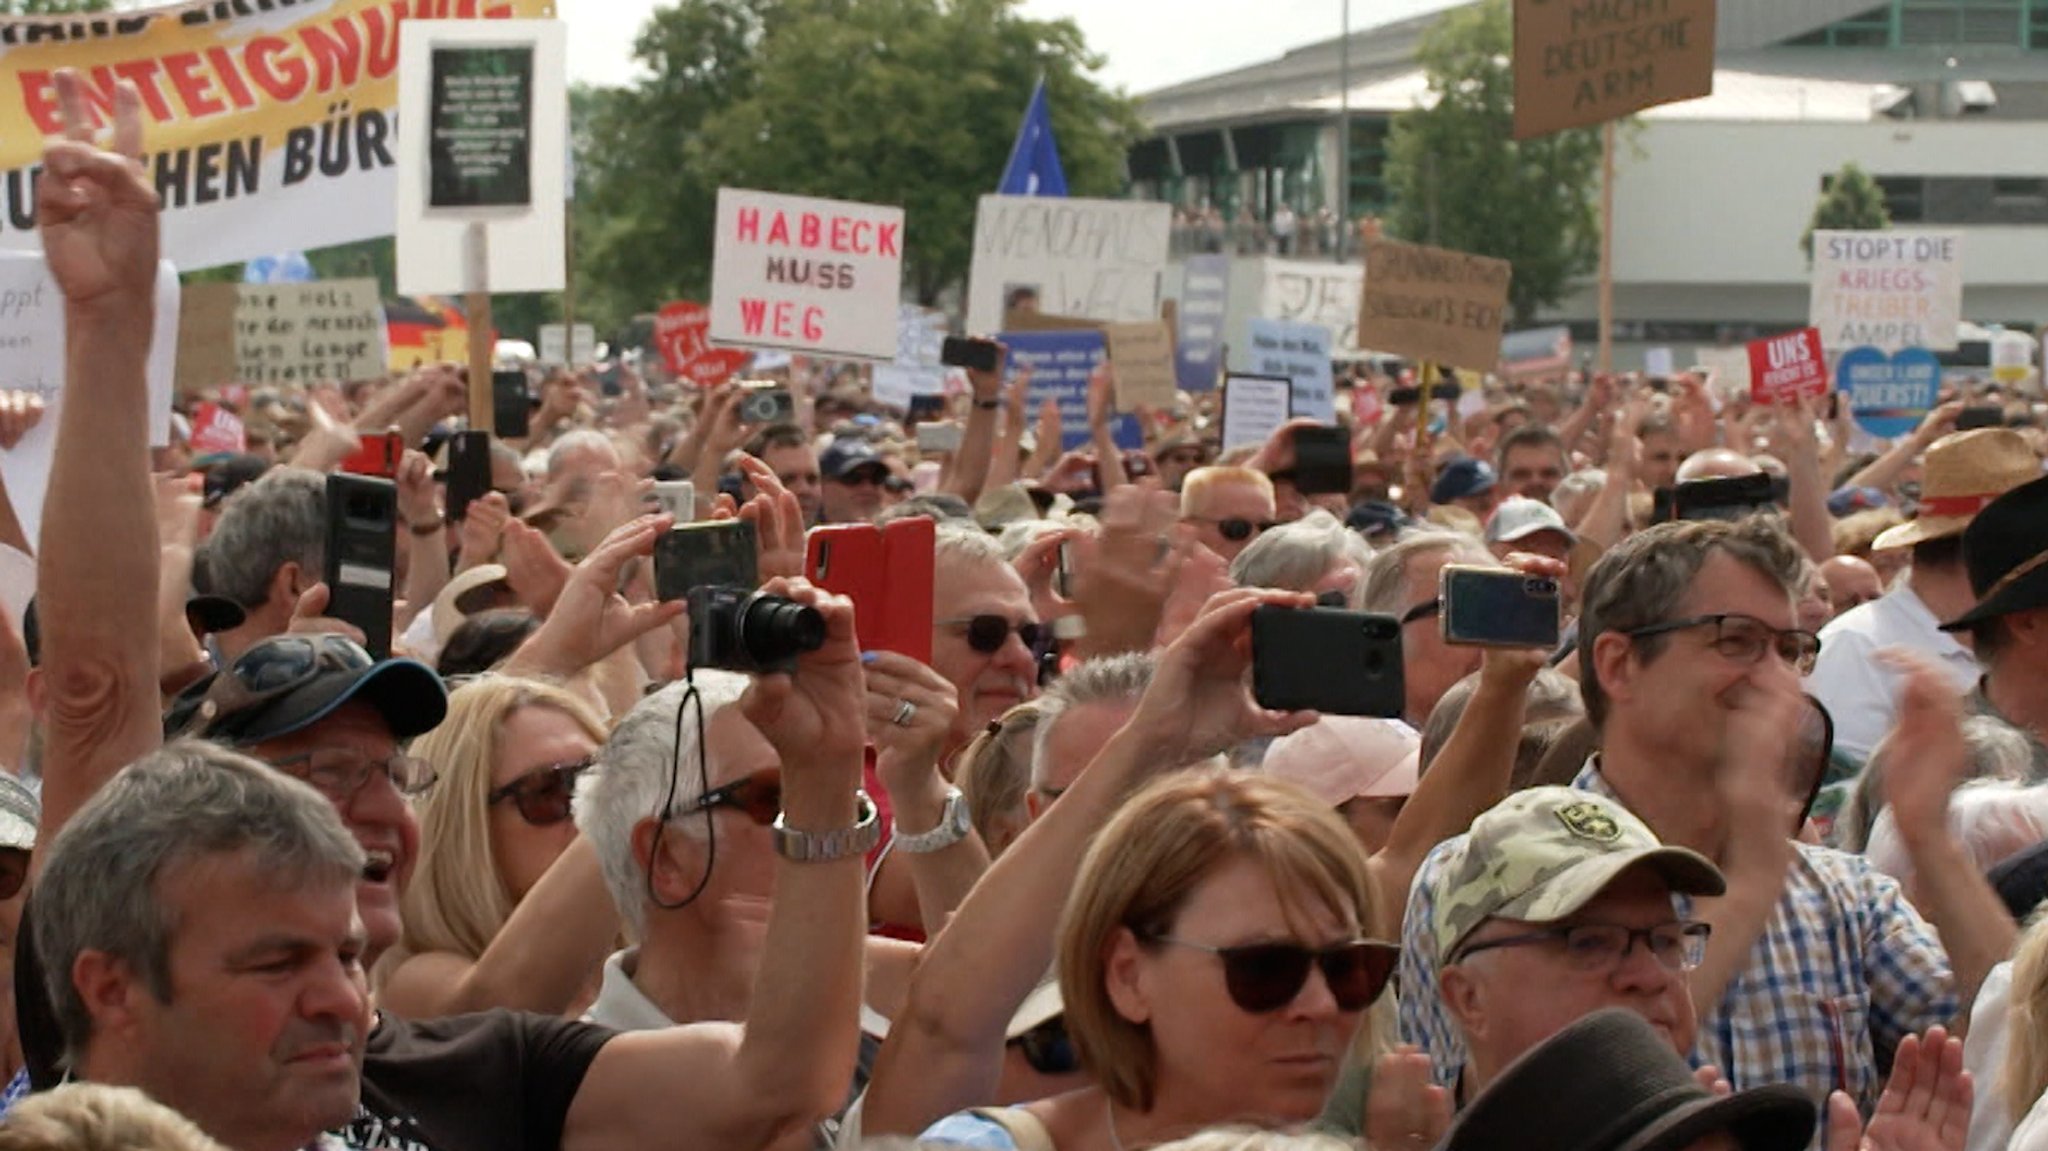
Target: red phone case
[(887, 573), (378, 456)]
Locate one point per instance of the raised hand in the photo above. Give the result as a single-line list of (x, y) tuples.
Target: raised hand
[(1405, 1109), (483, 528), (815, 718), (96, 209), (20, 412), (778, 521), (536, 572), (1200, 702), (416, 502), (1925, 754), (309, 616), (1925, 1106), (909, 749), (1123, 574), (591, 619)]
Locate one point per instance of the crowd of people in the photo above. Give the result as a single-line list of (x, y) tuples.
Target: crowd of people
[(1749, 858)]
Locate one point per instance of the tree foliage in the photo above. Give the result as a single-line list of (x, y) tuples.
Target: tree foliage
[(907, 102), (1852, 202), (1458, 178)]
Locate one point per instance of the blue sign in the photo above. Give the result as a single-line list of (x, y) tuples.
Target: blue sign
[(289, 268), (1060, 364), (1204, 302), (1889, 395)]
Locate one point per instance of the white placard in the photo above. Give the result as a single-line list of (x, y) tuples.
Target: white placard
[(1887, 290), (1657, 362), (1730, 368), (1090, 259), (555, 349), (32, 360), (806, 275), (1254, 407), (527, 246), (1308, 293), (920, 335), (1301, 353)]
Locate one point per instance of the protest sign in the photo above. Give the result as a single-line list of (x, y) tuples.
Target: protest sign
[(575, 349), (1309, 293), (1782, 368), (326, 330), (1096, 259), (1658, 363), (491, 102), (1254, 407), (1198, 322), (1143, 355), (1297, 352), (1060, 364), (1536, 351), (682, 333), (1888, 395), (32, 360), (271, 127), (806, 274), (217, 431), (1727, 369), (206, 336), (1887, 290), (920, 336), (1433, 305), (1582, 62)]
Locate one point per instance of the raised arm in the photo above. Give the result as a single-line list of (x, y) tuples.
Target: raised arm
[(1003, 460), (971, 463), (1812, 525), (1885, 470)]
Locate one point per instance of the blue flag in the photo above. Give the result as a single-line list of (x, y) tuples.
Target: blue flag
[(1034, 167)]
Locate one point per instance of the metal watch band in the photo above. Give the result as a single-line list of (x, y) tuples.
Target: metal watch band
[(954, 824), (829, 846)]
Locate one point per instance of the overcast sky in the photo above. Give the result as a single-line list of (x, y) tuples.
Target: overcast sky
[(1149, 43)]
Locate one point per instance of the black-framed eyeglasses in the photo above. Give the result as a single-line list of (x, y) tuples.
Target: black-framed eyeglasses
[(1427, 609), (1265, 977), (757, 796), (1744, 638), (339, 772), (272, 668), (988, 633), (545, 796), (1599, 947), (1236, 529)]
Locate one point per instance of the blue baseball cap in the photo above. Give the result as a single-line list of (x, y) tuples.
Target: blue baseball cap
[(1462, 478)]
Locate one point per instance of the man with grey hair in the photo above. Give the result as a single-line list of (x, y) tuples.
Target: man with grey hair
[(1077, 715), (583, 455), (200, 914), (268, 548), (1402, 582), (1313, 554), (985, 630)]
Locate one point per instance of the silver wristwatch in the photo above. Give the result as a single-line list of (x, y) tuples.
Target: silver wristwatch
[(954, 824), (825, 847)]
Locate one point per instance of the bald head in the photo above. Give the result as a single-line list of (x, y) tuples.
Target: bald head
[(1716, 464), (1850, 581)]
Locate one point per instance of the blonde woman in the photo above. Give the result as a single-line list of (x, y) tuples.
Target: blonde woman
[(2016, 1100), (506, 907)]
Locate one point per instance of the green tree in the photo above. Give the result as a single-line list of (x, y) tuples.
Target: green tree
[(1458, 179), (1851, 202)]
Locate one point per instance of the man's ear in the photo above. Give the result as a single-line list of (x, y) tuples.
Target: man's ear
[(1465, 998), (675, 873), (111, 993), (1614, 665), (287, 583)]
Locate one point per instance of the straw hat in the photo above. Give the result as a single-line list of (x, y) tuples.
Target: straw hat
[(1962, 474)]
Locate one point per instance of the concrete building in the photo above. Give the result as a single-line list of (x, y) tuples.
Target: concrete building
[(1945, 102)]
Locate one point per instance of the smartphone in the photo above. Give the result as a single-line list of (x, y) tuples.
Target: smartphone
[(767, 404), (887, 572), (1063, 571), (1448, 391), (1404, 397), (1980, 416), (931, 407), (1322, 461), (972, 354), (716, 553), (511, 405), (469, 470), (678, 498), (378, 455), (1729, 498), (1497, 607), (939, 438), (1336, 662), (362, 554)]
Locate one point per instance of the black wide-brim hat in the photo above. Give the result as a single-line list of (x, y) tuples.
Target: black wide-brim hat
[(1610, 1082), (2006, 550)]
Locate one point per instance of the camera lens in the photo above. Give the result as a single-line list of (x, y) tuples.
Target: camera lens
[(773, 629)]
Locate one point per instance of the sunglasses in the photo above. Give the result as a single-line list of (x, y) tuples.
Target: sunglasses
[(1237, 529), (543, 797), (1265, 977), (988, 633), (757, 796), (275, 667)]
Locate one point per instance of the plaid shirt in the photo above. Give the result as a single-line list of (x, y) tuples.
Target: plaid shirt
[(1845, 969)]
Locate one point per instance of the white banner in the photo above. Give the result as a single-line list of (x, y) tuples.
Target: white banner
[(1300, 292), (1887, 290), (806, 275), (1090, 259)]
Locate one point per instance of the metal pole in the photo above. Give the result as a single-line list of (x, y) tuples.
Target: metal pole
[(1344, 137), (1607, 247)]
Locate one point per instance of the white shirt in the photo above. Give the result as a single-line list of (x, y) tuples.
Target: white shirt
[(1860, 693), (1984, 1058), (622, 1006)]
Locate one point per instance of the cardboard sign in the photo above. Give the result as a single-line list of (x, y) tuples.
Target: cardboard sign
[(682, 334), (1433, 305), (1097, 259), (323, 331), (218, 431), (1888, 395), (1060, 364), (1782, 368), (492, 98), (1581, 62), (1254, 407), (576, 349), (1297, 352), (807, 275), (206, 336), (1303, 292), (1887, 290), (920, 336), (1198, 322), (1143, 355)]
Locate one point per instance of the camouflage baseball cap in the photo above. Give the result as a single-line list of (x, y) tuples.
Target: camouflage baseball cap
[(1541, 854)]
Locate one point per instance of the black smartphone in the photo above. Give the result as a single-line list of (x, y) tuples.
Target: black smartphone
[(767, 404), (1063, 571), (362, 553), (1729, 498), (972, 354), (1498, 607), (714, 553), (1980, 416), (1404, 397), (1321, 659), (511, 406), (1322, 461), (931, 407), (469, 470), (1448, 391)]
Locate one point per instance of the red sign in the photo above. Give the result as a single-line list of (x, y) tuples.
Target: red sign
[(1366, 405), (682, 332), (1788, 367), (217, 431)]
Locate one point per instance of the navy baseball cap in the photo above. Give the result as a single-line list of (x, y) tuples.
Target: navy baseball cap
[(1462, 478), (848, 455), (324, 672)]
